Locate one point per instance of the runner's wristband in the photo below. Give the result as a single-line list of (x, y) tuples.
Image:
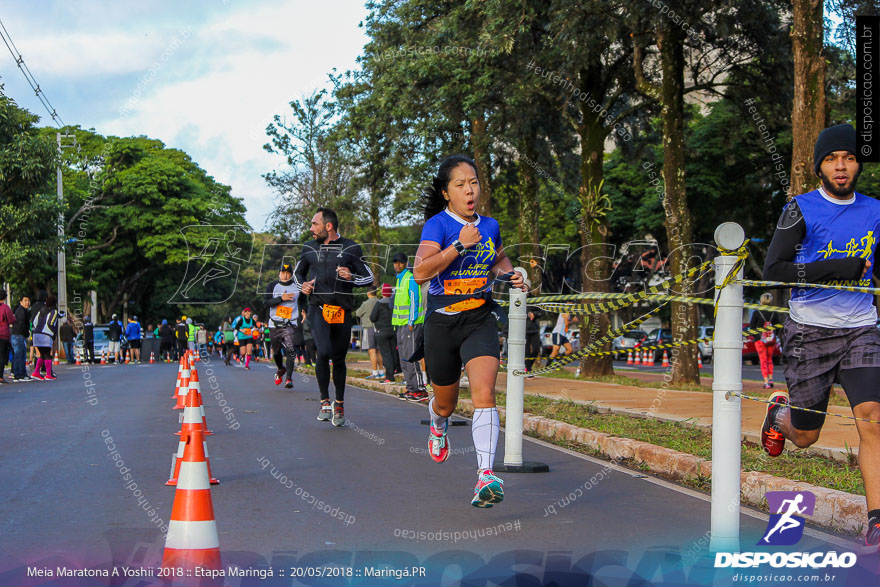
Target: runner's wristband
[(459, 247)]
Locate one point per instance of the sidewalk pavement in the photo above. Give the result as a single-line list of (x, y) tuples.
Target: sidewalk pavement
[(691, 407)]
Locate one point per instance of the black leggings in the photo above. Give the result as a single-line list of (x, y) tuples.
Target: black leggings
[(533, 349), (332, 342), (386, 340), (860, 386)]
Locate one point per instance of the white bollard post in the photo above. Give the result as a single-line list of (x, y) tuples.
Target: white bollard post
[(726, 410), (516, 361)]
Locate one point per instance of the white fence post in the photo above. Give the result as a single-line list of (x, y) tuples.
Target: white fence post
[(726, 409), (516, 361)]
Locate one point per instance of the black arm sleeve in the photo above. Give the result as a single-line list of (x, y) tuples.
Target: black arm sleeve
[(374, 313), (780, 266), (301, 271), (362, 276), (272, 300)]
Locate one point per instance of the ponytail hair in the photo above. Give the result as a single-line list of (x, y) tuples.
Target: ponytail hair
[(432, 201)]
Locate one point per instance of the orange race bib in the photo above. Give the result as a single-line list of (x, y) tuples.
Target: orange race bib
[(333, 314), (463, 286), (283, 312), (248, 332)]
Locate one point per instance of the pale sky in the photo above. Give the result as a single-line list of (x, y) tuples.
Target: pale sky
[(202, 76)]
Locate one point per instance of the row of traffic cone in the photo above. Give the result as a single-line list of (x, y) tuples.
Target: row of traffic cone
[(192, 539), (646, 358)]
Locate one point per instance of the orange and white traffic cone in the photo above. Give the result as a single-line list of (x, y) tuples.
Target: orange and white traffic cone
[(103, 357), (152, 357), (182, 370), (665, 359), (649, 362), (183, 389), (629, 358), (195, 386), (127, 356), (699, 360), (193, 419), (76, 355), (192, 539), (638, 360), (55, 361)]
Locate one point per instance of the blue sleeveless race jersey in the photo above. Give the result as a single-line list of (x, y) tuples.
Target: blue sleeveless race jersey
[(836, 229), (466, 273)]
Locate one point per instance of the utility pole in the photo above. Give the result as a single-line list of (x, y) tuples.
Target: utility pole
[(62, 259)]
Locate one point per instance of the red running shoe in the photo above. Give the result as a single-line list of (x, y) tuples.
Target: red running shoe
[(771, 438), (279, 376), (438, 444)]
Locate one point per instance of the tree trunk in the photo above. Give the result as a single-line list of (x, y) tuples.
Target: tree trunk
[(808, 108), (480, 140), (375, 231), (679, 228), (527, 224), (595, 265)]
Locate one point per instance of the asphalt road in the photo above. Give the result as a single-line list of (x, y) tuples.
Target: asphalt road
[(298, 495)]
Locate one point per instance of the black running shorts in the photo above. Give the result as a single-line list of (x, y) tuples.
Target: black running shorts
[(451, 341)]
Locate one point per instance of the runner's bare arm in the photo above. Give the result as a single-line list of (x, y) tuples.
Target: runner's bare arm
[(430, 260)]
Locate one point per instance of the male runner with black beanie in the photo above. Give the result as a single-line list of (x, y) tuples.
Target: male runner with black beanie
[(829, 235), (283, 304)]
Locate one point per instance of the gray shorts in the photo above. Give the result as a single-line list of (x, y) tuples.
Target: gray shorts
[(369, 339), (813, 356)]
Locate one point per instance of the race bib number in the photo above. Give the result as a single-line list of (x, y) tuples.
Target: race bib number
[(247, 332), (333, 314), (283, 312), (455, 287)]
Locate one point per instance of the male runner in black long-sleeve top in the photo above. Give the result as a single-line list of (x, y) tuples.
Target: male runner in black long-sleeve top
[(337, 267)]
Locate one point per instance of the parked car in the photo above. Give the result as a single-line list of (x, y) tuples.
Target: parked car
[(706, 349), (750, 353), (102, 342), (626, 342), (653, 338), (547, 345)]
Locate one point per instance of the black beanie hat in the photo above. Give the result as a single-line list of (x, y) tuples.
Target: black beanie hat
[(841, 137)]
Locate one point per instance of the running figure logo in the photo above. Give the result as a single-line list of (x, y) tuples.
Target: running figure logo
[(216, 255), (786, 526)]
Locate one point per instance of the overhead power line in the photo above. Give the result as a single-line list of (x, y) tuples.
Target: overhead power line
[(19, 61)]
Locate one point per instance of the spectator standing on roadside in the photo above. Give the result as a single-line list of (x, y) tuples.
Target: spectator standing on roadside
[(533, 340), (409, 322), (766, 343), (133, 335), (21, 330), (67, 333), (369, 330), (7, 319), (386, 338), (88, 338), (45, 331), (114, 333), (166, 341)]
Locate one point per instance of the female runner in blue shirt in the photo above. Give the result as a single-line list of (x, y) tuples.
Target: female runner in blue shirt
[(458, 254)]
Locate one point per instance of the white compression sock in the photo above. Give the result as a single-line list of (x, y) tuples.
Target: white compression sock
[(439, 422), (485, 428)]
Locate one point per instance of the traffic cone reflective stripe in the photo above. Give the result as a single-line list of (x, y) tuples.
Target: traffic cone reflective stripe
[(192, 539), (194, 383)]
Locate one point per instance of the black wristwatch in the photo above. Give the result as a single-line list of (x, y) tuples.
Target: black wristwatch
[(459, 247)]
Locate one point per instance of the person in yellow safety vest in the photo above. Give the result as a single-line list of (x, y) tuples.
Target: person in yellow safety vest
[(408, 318)]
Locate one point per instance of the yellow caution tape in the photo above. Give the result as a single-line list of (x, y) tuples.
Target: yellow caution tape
[(764, 401), (858, 289)]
